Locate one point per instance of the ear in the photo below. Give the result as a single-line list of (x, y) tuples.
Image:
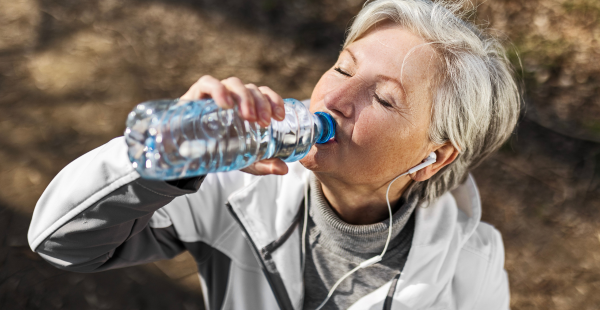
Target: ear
[(446, 154)]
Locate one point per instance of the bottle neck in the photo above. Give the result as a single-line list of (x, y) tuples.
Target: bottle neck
[(324, 127), (317, 128), (291, 140)]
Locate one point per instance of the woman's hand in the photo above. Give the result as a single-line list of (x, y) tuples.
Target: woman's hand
[(255, 104)]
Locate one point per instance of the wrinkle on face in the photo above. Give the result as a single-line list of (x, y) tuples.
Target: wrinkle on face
[(376, 143), (382, 142)]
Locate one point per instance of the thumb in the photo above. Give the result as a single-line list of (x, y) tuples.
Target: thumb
[(268, 166)]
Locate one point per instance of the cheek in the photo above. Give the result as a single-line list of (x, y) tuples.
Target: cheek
[(375, 130), (386, 141)]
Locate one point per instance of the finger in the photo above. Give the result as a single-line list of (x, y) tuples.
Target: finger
[(209, 87), (262, 104), (277, 105), (267, 166), (244, 98)]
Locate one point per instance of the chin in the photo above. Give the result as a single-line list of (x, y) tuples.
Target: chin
[(317, 161), (309, 162)]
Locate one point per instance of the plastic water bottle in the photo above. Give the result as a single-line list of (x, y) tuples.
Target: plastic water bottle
[(172, 139)]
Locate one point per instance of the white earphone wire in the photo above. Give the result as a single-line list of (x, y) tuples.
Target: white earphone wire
[(387, 199), (374, 259), (370, 261)]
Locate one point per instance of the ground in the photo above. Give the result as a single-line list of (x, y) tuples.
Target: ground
[(70, 71)]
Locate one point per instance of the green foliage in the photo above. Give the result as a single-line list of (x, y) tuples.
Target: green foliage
[(593, 126), (587, 10), (269, 5), (533, 55)]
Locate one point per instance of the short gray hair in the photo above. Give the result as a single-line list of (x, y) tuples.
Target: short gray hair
[(476, 102)]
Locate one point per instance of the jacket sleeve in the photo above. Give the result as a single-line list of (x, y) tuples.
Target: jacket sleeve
[(95, 214)]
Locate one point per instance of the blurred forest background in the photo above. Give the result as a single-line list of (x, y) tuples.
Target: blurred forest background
[(70, 71)]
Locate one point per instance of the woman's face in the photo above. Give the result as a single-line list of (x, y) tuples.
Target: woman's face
[(382, 109)]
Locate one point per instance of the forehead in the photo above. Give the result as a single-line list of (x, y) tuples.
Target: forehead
[(395, 52)]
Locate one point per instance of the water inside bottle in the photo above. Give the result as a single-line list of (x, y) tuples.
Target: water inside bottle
[(191, 139)]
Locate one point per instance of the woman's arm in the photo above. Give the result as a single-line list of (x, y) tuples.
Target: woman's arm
[(94, 215)]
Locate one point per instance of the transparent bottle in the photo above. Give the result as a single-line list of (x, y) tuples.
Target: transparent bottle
[(173, 139)]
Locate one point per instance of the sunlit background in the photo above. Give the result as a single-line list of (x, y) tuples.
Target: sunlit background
[(71, 70)]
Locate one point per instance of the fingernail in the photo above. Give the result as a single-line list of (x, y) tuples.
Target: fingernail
[(280, 112), (230, 101), (264, 117)]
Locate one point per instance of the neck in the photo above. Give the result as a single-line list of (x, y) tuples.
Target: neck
[(361, 204)]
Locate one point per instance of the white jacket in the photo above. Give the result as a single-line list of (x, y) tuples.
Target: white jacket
[(244, 233)]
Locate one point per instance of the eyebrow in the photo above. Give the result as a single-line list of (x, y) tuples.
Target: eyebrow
[(380, 76), (393, 80), (351, 54)]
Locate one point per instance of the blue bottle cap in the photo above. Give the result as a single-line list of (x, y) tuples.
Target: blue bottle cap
[(328, 127)]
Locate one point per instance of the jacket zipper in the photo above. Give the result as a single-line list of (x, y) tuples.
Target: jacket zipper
[(284, 302)]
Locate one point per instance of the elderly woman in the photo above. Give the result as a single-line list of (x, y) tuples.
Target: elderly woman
[(412, 79)]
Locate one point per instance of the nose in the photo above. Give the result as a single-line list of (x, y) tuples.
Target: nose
[(343, 97)]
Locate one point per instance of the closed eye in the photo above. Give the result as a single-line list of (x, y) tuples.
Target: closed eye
[(382, 102), (342, 72)]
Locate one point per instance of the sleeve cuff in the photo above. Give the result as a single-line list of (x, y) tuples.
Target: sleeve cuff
[(189, 184)]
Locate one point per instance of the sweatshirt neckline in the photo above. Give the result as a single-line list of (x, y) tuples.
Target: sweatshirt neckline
[(339, 235)]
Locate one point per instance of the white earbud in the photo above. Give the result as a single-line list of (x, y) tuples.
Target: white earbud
[(428, 161)]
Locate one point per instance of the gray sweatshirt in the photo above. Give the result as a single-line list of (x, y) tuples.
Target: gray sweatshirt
[(335, 247)]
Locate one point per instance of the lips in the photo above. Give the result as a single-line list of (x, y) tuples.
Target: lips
[(333, 140)]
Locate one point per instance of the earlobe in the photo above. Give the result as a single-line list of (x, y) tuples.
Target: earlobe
[(423, 174), (445, 155), (430, 160)]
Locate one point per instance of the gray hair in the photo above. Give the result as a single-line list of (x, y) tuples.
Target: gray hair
[(476, 102)]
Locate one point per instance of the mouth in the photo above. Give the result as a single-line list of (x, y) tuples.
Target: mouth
[(331, 141)]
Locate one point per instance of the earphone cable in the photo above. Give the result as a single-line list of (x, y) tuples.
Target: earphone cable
[(364, 264), (373, 260)]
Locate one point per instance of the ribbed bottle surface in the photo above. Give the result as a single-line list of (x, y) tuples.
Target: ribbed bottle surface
[(171, 139)]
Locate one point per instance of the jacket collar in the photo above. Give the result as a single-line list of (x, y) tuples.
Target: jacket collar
[(460, 209), (268, 205), (441, 230), (267, 208)]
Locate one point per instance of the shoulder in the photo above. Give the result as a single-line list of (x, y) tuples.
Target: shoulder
[(480, 278), (485, 242)]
